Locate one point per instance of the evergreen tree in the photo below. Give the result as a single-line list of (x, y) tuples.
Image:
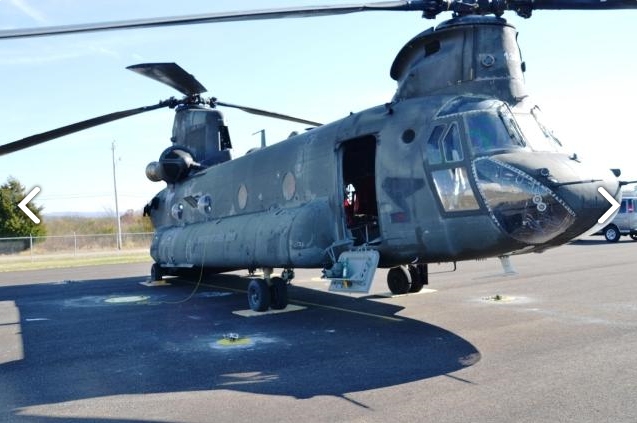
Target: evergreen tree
[(13, 221)]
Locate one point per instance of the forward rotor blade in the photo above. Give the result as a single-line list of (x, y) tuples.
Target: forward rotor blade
[(268, 114), (248, 15), (172, 75), (430, 9), (75, 127)]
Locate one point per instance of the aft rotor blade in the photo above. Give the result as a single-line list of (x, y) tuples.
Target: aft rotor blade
[(261, 112), (75, 127), (584, 4), (523, 8), (172, 75), (248, 15)]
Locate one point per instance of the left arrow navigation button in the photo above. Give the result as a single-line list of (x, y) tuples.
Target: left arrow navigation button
[(23, 205)]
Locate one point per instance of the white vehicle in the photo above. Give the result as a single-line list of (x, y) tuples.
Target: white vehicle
[(624, 223)]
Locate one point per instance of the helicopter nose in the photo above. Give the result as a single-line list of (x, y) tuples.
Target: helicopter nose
[(525, 209), (543, 199), (589, 203)]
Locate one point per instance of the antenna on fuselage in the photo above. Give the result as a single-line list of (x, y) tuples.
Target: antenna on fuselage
[(262, 137)]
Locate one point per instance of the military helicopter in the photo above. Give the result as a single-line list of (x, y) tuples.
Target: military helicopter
[(459, 165)]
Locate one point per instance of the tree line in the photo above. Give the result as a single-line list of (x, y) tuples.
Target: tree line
[(14, 223)]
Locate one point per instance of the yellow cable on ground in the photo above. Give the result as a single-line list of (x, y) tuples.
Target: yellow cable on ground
[(194, 291)]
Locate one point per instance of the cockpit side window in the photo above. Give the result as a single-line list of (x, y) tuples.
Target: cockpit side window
[(432, 148), (454, 190), (452, 146), (537, 134), (450, 149), (446, 157)]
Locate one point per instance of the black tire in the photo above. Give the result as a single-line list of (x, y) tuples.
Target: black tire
[(156, 273), (634, 237), (611, 233), (399, 280), (418, 277), (278, 294), (258, 295)]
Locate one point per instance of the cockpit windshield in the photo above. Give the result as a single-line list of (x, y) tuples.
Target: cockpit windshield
[(493, 130), (499, 129), (493, 127), (537, 135)]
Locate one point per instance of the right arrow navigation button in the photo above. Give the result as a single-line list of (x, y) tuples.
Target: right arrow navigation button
[(614, 205)]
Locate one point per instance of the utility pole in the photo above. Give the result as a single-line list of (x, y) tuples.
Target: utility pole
[(119, 224)]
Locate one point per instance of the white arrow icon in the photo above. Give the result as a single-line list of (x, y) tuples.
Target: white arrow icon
[(614, 205), (23, 205)]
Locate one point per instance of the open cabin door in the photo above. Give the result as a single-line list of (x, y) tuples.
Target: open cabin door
[(360, 206)]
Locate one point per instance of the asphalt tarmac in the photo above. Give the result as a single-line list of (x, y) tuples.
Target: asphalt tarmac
[(557, 342)]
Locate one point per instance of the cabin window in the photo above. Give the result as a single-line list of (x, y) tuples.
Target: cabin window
[(242, 196), (408, 136), (454, 190), (288, 186)]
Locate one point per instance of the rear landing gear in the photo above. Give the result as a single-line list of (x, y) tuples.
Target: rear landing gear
[(278, 294), (259, 295), (156, 273), (269, 292), (404, 279)]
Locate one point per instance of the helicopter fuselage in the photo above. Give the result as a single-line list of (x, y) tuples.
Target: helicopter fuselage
[(459, 166), (437, 194)]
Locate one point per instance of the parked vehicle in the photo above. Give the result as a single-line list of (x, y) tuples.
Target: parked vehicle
[(624, 223)]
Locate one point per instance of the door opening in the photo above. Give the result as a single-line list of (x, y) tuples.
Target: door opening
[(359, 189)]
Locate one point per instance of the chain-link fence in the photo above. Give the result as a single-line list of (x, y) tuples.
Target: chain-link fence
[(74, 244)]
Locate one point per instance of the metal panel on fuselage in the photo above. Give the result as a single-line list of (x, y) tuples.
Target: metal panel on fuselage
[(273, 207)]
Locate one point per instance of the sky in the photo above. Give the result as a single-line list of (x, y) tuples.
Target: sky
[(580, 68)]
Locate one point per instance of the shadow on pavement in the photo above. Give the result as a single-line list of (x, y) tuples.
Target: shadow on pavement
[(111, 337)]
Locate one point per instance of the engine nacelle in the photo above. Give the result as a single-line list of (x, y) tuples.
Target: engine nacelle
[(174, 164), (154, 172)]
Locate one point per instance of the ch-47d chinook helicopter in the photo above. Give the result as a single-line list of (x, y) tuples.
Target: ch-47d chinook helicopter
[(458, 166)]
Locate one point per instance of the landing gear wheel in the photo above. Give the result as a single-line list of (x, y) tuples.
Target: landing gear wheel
[(419, 277), (156, 273), (258, 295), (611, 233), (399, 280), (278, 293)]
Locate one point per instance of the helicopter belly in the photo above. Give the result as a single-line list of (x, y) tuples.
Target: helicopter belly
[(276, 238)]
